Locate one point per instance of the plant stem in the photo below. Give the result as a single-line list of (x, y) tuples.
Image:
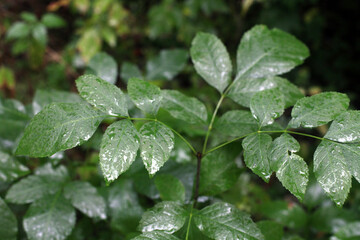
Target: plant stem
[(226, 143), (197, 181), (189, 223), (212, 122)]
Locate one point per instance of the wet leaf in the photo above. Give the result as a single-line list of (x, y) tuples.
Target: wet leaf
[(51, 217), (290, 168), (155, 235), (236, 123), (182, 107), (349, 232), (102, 95), (211, 60), (10, 168), (8, 222), (59, 126), (157, 142), (129, 70), (224, 221), (167, 65), (85, 198), (256, 147), (118, 149), (267, 105), (345, 128), (242, 90), (103, 66), (165, 216), (318, 109), (170, 188), (146, 96)]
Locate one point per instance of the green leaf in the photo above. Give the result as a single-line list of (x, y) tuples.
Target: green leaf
[(46, 181), (129, 70), (290, 168), (146, 96), (170, 188), (8, 222), (256, 148), (236, 123), (349, 232), (318, 109), (182, 107), (59, 126), (102, 95), (334, 163), (345, 128), (89, 43), (28, 17), (52, 20), (39, 33), (159, 235), (242, 90), (267, 105), (224, 221), (271, 230), (211, 60), (167, 65), (85, 197), (157, 142), (10, 168), (219, 171), (51, 217), (264, 53), (164, 216), (18, 30), (103, 66), (118, 149)]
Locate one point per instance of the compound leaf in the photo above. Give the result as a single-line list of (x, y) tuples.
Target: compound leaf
[(211, 60), (224, 221), (59, 126), (103, 95), (345, 128), (236, 123), (118, 149)]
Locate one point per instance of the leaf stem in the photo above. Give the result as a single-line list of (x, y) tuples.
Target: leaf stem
[(189, 223), (199, 157)]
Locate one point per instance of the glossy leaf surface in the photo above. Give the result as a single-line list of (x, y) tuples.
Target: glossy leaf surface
[(290, 168), (182, 107), (51, 217), (211, 60), (164, 216), (170, 188), (157, 142), (146, 96), (236, 123), (59, 126), (8, 222), (10, 168), (242, 90), (256, 147), (267, 105), (85, 197), (318, 109), (224, 221), (102, 95), (349, 232), (118, 149), (159, 235), (104, 66), (345, 128)]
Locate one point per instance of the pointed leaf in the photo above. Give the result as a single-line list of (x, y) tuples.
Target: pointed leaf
[(164, 216), (146, 96), (263, 52), (290, 168), (118, 149), (167, 65), (224, 221), (52, 20), (170, 188), (59, 126), (18, 30), (267, 105), (103, 66), (236, 123), (345, 128), (10, 168), (102, 95), (182, 107), (8, 222), (318, 109), (51, 217), (129, 70), (242, 90), (85, 197), (256, 147), (157, 142)]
